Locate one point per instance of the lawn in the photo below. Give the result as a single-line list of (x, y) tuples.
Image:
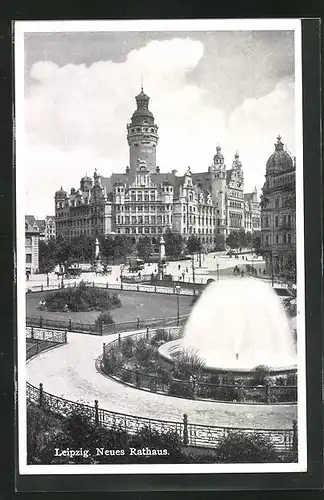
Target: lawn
[(135, 305)]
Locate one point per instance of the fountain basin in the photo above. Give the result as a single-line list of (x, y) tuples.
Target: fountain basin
[(169, 351)]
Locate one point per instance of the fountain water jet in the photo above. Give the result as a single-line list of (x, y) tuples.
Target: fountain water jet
[(237, 325)]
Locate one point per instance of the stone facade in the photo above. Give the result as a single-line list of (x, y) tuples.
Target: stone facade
[(278, 212), (143, 201), (31, 246)]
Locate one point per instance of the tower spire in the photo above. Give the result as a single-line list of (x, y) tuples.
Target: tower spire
[(142, 82)]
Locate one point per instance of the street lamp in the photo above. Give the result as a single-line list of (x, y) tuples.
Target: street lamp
[(121, 275), (178, 290), (217, 266)]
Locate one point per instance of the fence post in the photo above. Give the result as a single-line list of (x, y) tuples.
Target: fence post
[(101, 327), (295, 436), (185, 430), (119, 339), (70, 325), (32, 332), (155, 288), (42, 287), (65, 336), (40, 321), (107, 284), (138, 324), (93, 284), (103, 349), (137, 288), (96, 412), (75, 284), (41, 395)]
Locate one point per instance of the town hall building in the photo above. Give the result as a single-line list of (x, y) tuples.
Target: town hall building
[(144, 201)]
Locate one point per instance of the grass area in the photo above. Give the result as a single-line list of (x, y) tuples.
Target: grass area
[(135, 305)]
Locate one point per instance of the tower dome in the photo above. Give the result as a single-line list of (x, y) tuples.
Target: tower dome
[(218, 158), (142, 135), (280, 160), (237, 162), (60, 193)]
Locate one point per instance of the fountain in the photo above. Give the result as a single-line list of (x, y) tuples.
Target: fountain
[(237, 325)]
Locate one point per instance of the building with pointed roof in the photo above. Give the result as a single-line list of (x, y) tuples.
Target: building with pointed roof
[(144, 201)]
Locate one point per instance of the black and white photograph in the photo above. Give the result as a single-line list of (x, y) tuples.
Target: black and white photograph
[(160, 247)]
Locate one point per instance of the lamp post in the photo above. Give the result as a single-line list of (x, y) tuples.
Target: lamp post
[(121, 275), (178, 290), (217, 266)]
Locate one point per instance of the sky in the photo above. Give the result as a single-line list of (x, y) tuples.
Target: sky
[(228, 88)]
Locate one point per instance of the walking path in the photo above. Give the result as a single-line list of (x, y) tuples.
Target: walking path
[(70, 372)]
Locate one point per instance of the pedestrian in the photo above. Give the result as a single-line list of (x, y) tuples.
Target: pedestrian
[(179, 267), (242, 274), (186, 269), (264, 271)]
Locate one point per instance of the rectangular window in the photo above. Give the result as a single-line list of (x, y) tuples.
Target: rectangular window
[(276, 220), (28, 241), (28, 258)]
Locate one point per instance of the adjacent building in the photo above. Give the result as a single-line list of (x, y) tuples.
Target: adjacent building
[(144, 201), (46, 227), (278, 212), (31, 245)]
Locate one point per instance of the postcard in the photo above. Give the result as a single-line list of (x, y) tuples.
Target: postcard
[(160, 247)]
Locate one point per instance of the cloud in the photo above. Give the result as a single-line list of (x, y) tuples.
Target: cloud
[(76, 118)]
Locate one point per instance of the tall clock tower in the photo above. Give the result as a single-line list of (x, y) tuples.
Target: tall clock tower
[(142, 136)]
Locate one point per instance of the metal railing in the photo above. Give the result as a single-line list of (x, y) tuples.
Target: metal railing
[(40, 340), (191, 434), (102, 329), (195, 389), (131, 287)]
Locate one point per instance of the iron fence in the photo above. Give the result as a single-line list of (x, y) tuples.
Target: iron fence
[(41, 339), (102, 329), (191, 434), (131, 287), (194, 389)]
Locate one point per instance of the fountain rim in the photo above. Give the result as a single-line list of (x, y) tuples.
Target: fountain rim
[(165, 352)]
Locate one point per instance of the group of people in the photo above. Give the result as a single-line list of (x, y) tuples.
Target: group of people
[(251, 271)]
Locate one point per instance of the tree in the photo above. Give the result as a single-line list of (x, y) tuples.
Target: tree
[(123, 245), (173, 243), (46, 253), (82, 248), (194, 244), (107, 247), (232, 240), (256, 242), (63, 251), (144, 248)]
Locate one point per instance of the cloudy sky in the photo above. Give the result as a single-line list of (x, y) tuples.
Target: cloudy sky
[(230, 88)]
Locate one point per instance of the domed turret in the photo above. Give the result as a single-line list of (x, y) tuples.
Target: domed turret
[(280, 160), (237, 162), (218, 158), (60, 193)]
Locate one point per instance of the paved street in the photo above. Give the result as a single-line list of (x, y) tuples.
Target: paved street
[(70, 372), (207, 270)]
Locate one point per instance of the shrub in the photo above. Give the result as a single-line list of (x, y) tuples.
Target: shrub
[(160, 334), (126, 376), (242, 447), (112, 361), (144, 352), (261, 375), (181, 389), (82, 298), (127, 347), (187, 364), (104, 318)]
